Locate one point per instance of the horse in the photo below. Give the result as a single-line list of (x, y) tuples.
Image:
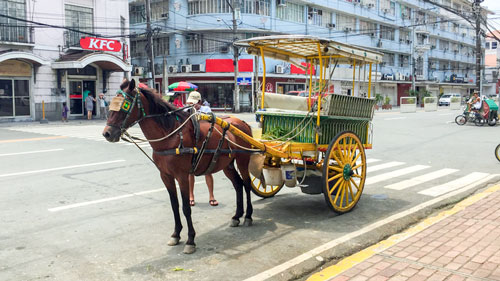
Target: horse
[(172, 135)]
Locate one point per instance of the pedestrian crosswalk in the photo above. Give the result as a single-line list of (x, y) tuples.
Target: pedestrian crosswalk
[(390, 176), (88, 132)]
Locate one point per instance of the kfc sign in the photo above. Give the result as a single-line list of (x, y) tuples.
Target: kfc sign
[(100, 44)]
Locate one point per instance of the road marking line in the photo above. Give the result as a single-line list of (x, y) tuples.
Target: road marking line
[(383, 166), (329, 245), (60, 168), (395, 118), (443, 114), (82, 204), (452, 185), (29, 152), (372, 160), (396, 173), (33, 139), (357, 258), (421, 179)]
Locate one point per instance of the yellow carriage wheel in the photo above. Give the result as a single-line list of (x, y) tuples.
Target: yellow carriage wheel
[(497, 152), (260, 188), (344, 172)]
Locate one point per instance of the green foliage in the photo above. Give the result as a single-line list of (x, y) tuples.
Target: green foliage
[(379, 98), (430, 100), (410, 101), (387, 100), (455, 99), (275, 133)]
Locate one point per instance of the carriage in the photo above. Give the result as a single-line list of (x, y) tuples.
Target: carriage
[(317, 142)]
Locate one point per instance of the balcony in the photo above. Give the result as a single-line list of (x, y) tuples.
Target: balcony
[(72, 39), (17, 34)]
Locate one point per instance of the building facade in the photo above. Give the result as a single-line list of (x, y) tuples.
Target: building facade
[(492, 64), (43, 64), (195, 37)]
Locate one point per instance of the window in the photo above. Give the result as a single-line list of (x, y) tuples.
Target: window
[(443, 25), (388, 7), (80, 18), (420, 18), (210, 42), (257, 7), (386, 32), (493, 45), (443, 65), (444, 45), (368, 28), (13, 30), (405, 12), (161, 46), (159, 9), (404, 36), (123, 25), (345, 22), (291, 12), (433, 42), (404, 61), (14, 97), (315, 16), (388, 59), (137, 12), (138, 48)]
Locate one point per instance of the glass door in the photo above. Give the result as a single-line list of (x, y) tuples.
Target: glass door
[(76, 98), (14, 97), (6, 98)]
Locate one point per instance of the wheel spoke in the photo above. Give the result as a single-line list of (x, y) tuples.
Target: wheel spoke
[(353, 151), (335, 168), (338, 191), (357, 166), (353, 162), (336, 159), (334, 177), (355, 184), (258, 186), (334, 186), (349, 149), (358, 176), (350, 191), (342, 196), (341, 155)]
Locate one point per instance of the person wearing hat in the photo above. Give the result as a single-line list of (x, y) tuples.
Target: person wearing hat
[(194, 99)]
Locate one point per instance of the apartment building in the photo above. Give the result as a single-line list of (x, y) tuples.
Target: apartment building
[(195, 37), (54, 51)]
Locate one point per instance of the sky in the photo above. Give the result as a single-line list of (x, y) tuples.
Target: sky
[(494, 6)]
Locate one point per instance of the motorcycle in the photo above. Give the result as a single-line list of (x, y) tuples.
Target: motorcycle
[(488, 116)]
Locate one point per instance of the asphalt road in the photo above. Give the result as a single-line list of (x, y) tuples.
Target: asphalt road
[(74, 207)]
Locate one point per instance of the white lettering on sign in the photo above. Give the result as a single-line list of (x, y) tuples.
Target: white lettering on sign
[(93, 43), (100, 44)]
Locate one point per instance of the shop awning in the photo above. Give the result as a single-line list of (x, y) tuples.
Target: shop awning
[(104, 60), (23, 56)]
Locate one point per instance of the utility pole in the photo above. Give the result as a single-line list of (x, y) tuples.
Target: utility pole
[(165, 76), (413, 66), (236, 92), (149, 32), (477, 10)]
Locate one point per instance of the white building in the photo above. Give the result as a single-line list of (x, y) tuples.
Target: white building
[(41, 59)]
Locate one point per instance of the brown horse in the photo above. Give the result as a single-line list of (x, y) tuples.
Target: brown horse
[(157, 119)]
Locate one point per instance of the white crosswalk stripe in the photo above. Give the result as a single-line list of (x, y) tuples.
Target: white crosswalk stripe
[(421, 179), (454, 185), (383, 166), (393, 174)]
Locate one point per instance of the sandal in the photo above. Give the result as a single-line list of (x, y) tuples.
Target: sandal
[(213, 203), (191, 203)]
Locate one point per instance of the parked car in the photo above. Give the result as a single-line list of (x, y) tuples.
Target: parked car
[(446, 98)]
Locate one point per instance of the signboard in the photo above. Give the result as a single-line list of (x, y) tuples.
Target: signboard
[(100, 44), (244, 81), (269, 87)]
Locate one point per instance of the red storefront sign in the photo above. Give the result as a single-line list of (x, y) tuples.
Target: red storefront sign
[(297, 70), (100, 44), (226, 65)]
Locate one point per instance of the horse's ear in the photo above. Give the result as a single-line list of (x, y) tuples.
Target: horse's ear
[(131, 85), (124, 84)]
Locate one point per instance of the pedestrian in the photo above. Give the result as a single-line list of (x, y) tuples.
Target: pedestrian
[(103, 106), (65, 111), (194, 99), (89, 105), (178, 100)]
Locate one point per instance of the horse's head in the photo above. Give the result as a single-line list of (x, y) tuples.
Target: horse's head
[(125, 110)]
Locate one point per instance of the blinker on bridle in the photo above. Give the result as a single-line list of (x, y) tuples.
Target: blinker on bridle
[(126, 103)]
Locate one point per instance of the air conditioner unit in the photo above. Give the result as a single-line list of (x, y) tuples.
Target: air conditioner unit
[(186, 68), (172, 69), (197, 68), (330, 25), (164, 16), (419, 77), (433, 47), (279, 69), (347, 29), (389, 77), (371, 5), (356, 1), (191, 36), (408, 42), (138, 71), (385, 11), (281, 3), (372, 34)]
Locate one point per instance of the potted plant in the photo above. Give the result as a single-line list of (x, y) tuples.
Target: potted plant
[(378, 98), (387, 103)]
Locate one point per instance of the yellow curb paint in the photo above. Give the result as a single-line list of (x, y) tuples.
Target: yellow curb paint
[(34, 139), (365, 254)]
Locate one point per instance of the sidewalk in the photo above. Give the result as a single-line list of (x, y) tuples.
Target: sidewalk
[(462, 243)]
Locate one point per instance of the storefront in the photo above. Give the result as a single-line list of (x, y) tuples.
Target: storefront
[(16, 79)]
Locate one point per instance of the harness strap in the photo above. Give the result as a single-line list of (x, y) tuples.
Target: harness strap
[(193, 150), (215, 157), (197, 159)]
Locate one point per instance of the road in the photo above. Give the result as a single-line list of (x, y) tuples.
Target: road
[(74, 207)]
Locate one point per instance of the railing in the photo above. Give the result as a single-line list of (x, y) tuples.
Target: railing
[(17, 34), (72, 38)]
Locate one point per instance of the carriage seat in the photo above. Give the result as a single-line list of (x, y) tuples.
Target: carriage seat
[(285, 102)]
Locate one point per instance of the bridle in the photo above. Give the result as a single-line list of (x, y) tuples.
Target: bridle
[(125, 102)]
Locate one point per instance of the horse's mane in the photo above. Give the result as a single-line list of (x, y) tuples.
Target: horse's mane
[(157, 105)]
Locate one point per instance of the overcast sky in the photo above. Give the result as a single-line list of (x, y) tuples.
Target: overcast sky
[(494, 6)]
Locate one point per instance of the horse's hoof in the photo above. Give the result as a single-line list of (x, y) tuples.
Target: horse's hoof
[(234, 223), (189, 249), (247, 222), (173, 241)]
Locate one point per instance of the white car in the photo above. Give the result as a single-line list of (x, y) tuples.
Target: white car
[(446, 98)]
